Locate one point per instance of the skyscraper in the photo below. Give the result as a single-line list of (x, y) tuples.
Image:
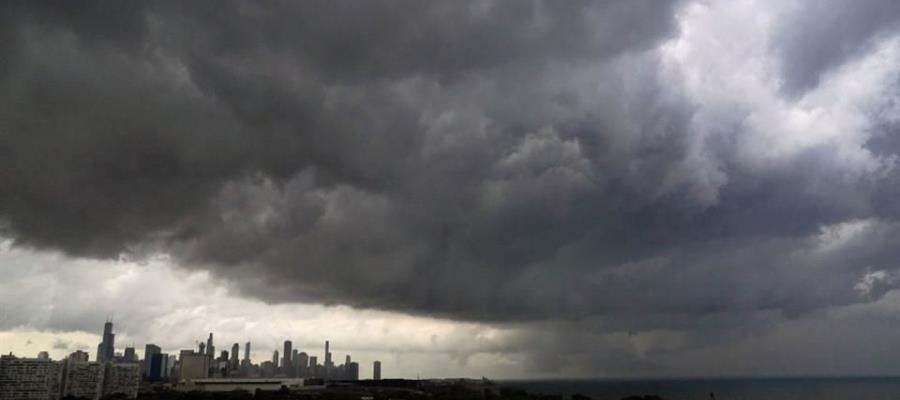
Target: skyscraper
[(327, 356), (235, 353), (106, 348), (376, 370), (247, 351), (275, 359), (286, 365), (352, 371), (157, 367), (313, 370), (210, 349), (149, 351), (302, 362)]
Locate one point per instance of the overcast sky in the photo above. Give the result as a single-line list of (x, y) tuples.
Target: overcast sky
[(503, 188)]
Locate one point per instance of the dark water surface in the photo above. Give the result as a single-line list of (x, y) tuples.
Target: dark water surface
[(881, 388)]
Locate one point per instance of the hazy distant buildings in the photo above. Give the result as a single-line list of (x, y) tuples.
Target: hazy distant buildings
[(286, 365), (78, 356), (129, 356), (120, 373), (210, 349), (302, 362), (313, 368), (28, 378), (235, 353), (376, 370), (267, 369), (193, 365), (352, 371)]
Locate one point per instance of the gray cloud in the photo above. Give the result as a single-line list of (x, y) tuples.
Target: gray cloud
[(522, 162), (816, 37)]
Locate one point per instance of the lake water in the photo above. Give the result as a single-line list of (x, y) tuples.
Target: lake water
[(724, 389)]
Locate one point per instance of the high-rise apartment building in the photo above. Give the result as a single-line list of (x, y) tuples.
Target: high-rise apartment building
[(28, 378), (95, 380), (376, 370), (122, 380)]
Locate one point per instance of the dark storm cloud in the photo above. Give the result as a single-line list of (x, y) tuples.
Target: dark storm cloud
[(821, 35), (486, 161)]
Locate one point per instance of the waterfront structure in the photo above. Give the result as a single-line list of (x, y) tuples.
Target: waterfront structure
[(28, 378), (376, 370)]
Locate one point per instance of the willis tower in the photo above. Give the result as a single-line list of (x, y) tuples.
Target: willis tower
[(106, 348)]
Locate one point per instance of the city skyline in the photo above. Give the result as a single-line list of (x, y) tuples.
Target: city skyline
[(154, 360)]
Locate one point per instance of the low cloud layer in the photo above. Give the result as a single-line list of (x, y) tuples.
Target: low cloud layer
[(685, 173)]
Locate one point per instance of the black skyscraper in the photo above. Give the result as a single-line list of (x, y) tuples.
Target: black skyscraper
[(106, 348)]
